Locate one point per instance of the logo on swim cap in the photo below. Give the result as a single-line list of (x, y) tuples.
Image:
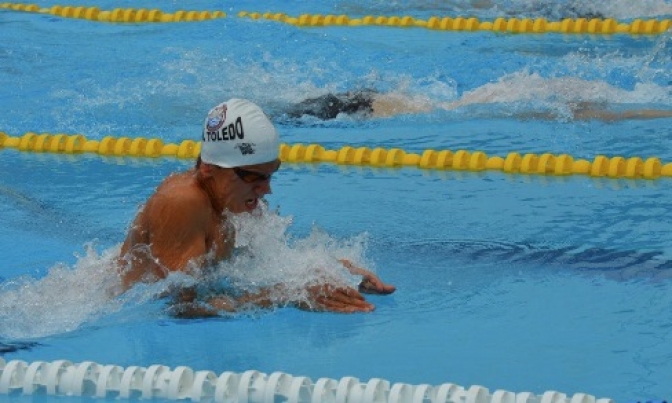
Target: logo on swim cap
[(246, 148), (216, 118)]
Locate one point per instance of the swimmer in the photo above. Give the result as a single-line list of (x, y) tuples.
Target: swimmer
[(372, 104), (183, 225), (364, 103)]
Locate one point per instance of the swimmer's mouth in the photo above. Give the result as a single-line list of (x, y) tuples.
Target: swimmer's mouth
[(251, 204)]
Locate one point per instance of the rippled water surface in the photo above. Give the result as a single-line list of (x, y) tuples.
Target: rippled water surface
[(516, 282)]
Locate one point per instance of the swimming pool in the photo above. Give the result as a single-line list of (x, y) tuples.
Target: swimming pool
[(514, 282)]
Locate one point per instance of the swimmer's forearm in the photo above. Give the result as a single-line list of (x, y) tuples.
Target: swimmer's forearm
[(222, 303), (215, 306), (266, 298), (192, 310)]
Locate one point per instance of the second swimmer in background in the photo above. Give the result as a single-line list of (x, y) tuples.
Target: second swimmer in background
[(367, 103)]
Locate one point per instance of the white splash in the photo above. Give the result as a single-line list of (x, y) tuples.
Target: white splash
[(533, 90), (68, 298), (626, 9), (267, 255), (61, 301)]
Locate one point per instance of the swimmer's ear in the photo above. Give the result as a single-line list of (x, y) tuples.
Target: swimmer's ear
[(206, 170)]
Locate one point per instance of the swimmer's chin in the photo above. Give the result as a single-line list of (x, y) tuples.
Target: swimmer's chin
[(256, 206), (251, 205)]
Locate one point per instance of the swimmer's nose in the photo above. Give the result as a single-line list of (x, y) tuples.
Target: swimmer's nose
[(263, 188)]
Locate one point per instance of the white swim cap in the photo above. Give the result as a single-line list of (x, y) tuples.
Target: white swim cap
[(237, 133)]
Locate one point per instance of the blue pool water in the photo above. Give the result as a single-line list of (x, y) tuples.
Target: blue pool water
[(515, 282)]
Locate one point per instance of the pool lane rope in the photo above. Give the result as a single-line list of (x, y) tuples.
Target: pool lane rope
[(90, 379), (136, 15), (462, 160), (513, 25)]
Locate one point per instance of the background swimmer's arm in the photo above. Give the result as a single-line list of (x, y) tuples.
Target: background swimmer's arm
[(597, 111), (385, 105), (610, 116), (588, 113), (579, 111)]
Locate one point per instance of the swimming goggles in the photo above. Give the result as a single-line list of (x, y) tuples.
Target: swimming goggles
[(251, 176)]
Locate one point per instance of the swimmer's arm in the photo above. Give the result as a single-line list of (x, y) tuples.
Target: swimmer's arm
[(178, 229), (186, 306), (386, 105), (265, 298), (609, 116), (599, 114), (596, 111), (321, 297)]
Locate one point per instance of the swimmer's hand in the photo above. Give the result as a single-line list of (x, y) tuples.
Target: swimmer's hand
[(328, 297), (371, 284)]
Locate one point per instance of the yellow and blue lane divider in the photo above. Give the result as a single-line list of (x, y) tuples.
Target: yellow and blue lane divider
[(512, 163)]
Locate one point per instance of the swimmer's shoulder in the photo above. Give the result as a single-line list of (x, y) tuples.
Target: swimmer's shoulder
[(180, 192)]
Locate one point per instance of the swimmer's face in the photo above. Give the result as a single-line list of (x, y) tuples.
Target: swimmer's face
[(240, 189)]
